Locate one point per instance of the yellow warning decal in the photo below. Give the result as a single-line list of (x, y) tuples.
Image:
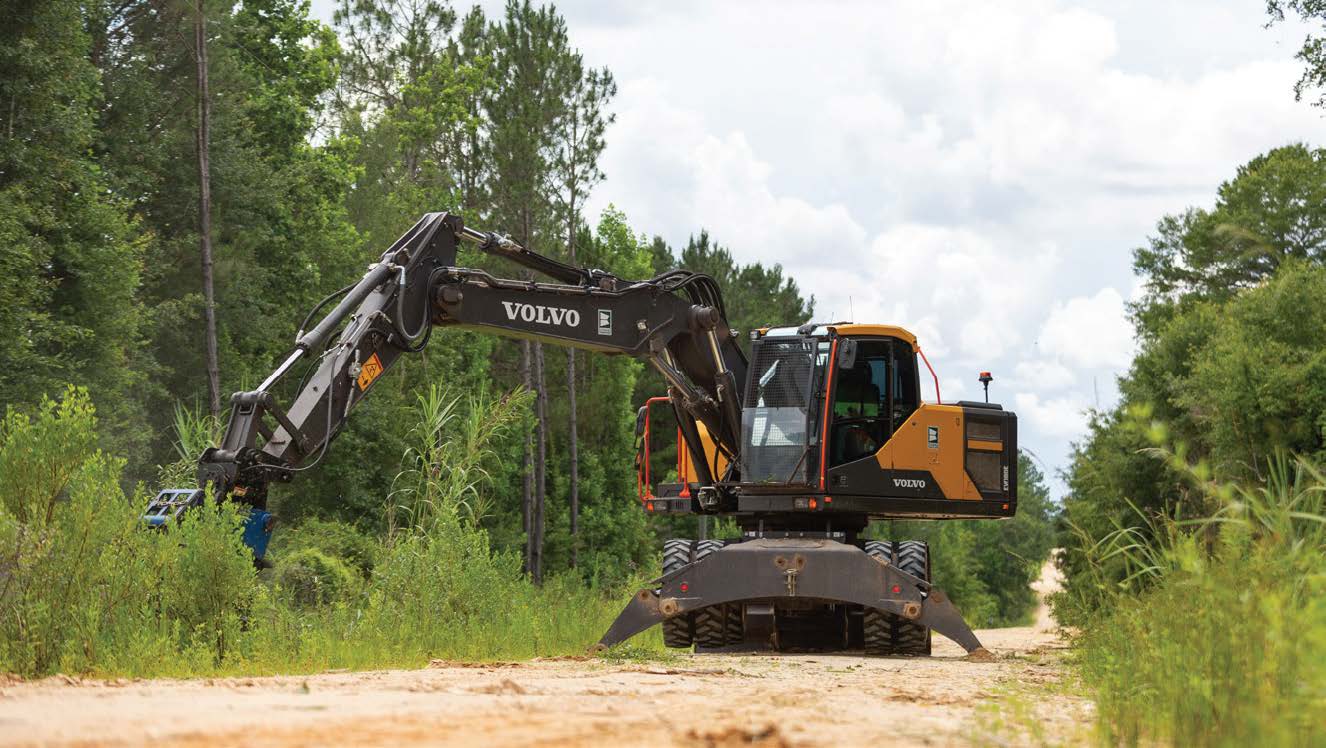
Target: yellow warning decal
[(372, 370)]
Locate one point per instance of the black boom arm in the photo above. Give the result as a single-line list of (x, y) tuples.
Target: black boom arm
[(675, 321)]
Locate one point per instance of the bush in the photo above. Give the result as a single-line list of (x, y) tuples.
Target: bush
[(39, 456), (340, 540), (1218, 634), (312, 578), (84, 586)]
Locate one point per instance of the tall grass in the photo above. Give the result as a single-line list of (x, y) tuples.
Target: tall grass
[(84, 588), (195, 430), (1217, 635), (82, 584), (445, 466)]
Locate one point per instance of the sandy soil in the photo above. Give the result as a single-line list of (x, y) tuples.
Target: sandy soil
[(706, 700)]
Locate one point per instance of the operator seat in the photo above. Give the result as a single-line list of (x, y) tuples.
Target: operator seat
[(856, 401)]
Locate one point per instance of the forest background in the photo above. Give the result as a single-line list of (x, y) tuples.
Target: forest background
[(181, 182)]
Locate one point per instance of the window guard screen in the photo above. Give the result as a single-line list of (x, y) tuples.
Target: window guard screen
[(776, 419)]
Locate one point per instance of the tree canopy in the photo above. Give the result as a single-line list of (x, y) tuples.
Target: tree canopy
[(1231, 366), (326, 144)]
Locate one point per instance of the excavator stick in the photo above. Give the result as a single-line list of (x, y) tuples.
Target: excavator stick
[(780, 572)]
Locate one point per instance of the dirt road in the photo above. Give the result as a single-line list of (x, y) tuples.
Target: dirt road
[(695, 700)]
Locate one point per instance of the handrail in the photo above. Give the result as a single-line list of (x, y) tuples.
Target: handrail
[(932, 374), (644, 481)]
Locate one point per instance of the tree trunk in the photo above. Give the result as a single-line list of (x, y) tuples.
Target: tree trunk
[(541, 461), (573, 453), (573, 446), (205, 209), (527, 504)]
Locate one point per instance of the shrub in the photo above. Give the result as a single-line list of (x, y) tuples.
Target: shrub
[(312, 578), (1217, 636), (84, 585), (340, 540), (210, 578), (40, 455), (70, 568)]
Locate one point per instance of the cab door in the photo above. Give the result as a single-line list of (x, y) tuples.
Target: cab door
[(874, 393)]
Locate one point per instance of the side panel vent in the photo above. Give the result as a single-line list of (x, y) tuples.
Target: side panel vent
[(985, 430), (985, 469)]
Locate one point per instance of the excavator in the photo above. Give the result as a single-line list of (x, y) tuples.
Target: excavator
[(820, 431)]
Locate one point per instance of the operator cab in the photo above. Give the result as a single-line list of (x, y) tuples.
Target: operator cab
[(834, 430), (874, 390)]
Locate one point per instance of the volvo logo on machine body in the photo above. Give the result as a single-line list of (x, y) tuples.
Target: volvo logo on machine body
[(541, 315), (908, 483)]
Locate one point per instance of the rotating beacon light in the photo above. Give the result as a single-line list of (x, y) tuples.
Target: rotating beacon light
[(985, 380)]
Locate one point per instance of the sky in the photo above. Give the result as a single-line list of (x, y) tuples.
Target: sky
[(978, 172)]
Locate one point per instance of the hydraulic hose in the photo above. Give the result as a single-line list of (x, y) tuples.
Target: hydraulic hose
[(411, 341), (318, 307), (380, 273)]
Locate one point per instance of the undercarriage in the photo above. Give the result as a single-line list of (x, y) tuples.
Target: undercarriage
[(795, 594)]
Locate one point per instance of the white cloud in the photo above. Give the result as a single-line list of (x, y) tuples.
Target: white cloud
[(733, 197), (1060, 417), (958, 279), (1043, 375), (977, 172), (674, 174), (1090, 332)]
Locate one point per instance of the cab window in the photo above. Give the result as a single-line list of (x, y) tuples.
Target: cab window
[(905, 396), (871, 399), (861, 404)]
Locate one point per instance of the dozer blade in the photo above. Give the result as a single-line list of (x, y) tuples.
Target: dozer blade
[(770, 570)]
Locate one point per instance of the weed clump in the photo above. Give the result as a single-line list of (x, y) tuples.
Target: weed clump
[(86, 588), (311, 578), (83, 586), (339, 540), (1217, 635)]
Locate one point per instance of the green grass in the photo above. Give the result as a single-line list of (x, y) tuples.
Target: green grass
[(1218, 635), (1017, 715), (84, 588), (562, 618), (280, 639)]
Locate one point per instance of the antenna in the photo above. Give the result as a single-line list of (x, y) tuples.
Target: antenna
[(851, 310)]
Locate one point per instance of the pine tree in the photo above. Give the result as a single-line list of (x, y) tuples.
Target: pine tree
[(531, 75), (580, 143), (279, 233), (70, 259), (205, 208)]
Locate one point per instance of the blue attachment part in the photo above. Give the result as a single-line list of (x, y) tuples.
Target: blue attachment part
[(171, 503), (258, 531)]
